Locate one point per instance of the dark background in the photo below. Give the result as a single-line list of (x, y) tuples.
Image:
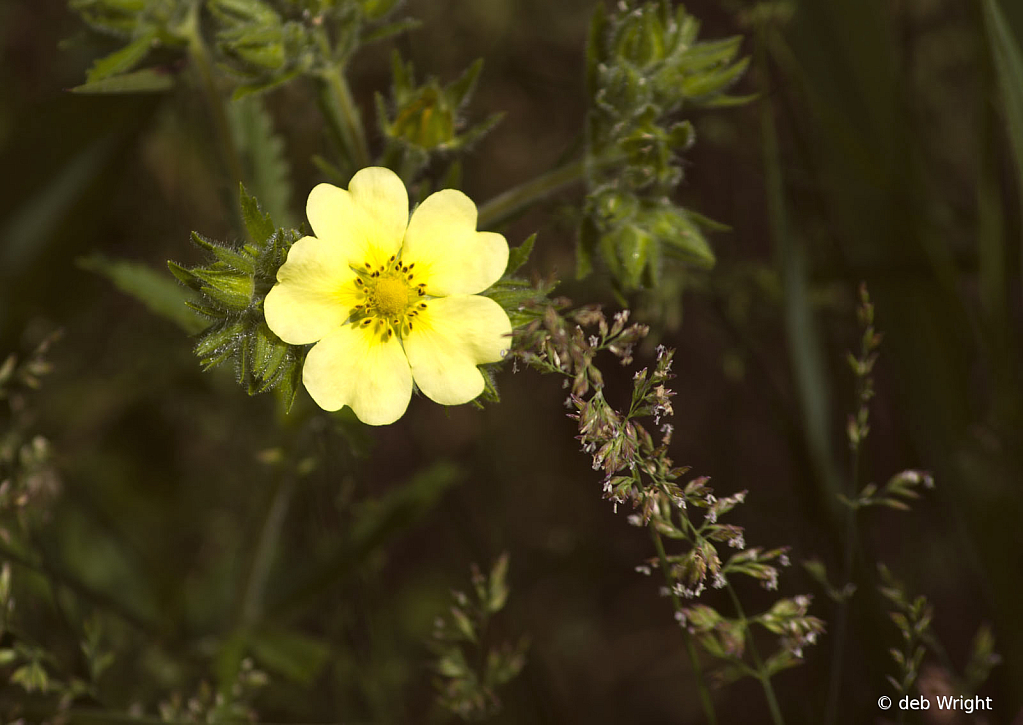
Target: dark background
[(895, 169)]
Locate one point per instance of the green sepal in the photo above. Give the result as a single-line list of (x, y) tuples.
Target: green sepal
[(230, 257), (232, 287)]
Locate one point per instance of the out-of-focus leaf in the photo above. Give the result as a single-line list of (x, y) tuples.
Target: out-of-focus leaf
[(122, 60), (294, 655), (263, 155), (378, 522), (1008, 61), (162, 296), (147, 80), (28, 229)]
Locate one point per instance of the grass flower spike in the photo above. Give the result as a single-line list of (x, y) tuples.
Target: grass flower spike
[(390, 300)]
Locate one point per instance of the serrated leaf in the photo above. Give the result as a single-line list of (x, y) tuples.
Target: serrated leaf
[(122, 60), (160, 295), (520, 255), (263, 156), (259, 226), (147, 80)]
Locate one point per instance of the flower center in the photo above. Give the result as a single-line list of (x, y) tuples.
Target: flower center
[(389, 297)]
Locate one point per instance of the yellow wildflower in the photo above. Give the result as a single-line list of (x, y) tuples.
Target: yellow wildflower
[(388, 299)]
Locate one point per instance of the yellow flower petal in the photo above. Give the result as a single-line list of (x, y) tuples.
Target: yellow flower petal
[(451, 257), (353, 367), (314, 293), (449, 339), (368, 219)]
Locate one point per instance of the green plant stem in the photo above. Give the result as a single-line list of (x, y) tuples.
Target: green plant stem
[(339, 106), (705, 699), (344, 116), (250, 603), (506, 204), (761, 671), (842, 618), (200, 58)]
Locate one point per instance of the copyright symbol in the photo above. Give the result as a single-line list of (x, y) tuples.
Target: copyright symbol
[(884, 702)]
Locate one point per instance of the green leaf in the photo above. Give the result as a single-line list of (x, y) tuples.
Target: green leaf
[(147, 80), (260, 226), (519, 299), (518, 256), (632, 244), (389, 30), (707, 84), (32, 677), (498, 588), (160, 295), (1008, 61), (460, 90), (263, 156), (294, 655), (122, 60)]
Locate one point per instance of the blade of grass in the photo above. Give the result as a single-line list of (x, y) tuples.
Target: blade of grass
[(1008, 64)]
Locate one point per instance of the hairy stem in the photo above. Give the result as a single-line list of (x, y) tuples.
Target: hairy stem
[(506, 204), (199, 55), (339, 107), (705, 699)]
